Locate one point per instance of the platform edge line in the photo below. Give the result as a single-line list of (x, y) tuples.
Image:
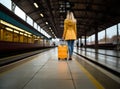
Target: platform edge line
[(94, 81)]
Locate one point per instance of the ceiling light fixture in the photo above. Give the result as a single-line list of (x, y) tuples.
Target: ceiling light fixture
[(41, 15), (49, 27), (36, 5), (46, 22)]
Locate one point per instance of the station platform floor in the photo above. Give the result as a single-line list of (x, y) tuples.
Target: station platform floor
[(45, 71)]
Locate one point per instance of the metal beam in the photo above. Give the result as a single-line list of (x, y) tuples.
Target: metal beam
[(51, 15)]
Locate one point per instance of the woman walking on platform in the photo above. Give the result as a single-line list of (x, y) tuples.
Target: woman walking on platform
[(70, 32)]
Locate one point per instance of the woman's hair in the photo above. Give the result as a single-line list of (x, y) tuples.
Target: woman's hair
[(70, 16)]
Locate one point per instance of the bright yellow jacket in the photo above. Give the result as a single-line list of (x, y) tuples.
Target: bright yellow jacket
[(70, 31)]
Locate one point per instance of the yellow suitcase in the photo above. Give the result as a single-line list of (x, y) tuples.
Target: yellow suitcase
[(62, 52)]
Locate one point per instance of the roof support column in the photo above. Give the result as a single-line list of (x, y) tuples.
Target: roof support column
[(96, 38), (118, 40), (13, 6), (85, 40), (33, 24), (105, 36), (117, 31), (80, 41), (26, 18), (96, 43), (85, 43)]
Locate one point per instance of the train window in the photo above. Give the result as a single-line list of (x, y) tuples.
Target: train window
[(7, 35), (15, 34), (16, 37)]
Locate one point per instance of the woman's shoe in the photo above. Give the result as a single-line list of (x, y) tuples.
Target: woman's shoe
[(70, 58)]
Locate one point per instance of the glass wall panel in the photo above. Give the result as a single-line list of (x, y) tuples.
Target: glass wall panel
[(43, 32), (111, 34), (92, 39), (119, 29), (88, 40), (6, 3), (119, 33), (83, 41), (39, 28), (101, 37), (20, 13), (35, 25), (29, 21)]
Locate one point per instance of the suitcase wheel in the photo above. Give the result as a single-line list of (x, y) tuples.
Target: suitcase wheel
[(59, 58), (65, 58)]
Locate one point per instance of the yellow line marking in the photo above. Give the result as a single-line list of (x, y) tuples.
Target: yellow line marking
[(96, 83)]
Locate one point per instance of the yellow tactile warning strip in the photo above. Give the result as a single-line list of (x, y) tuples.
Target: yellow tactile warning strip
[(95, 82)]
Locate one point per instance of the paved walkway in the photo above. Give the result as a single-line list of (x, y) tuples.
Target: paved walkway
[(45, 71)]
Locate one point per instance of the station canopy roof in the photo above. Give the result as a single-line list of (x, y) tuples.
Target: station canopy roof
[(90, 14)]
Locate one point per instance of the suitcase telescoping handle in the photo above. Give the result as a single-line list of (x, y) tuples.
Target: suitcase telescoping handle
[(63, 42)]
